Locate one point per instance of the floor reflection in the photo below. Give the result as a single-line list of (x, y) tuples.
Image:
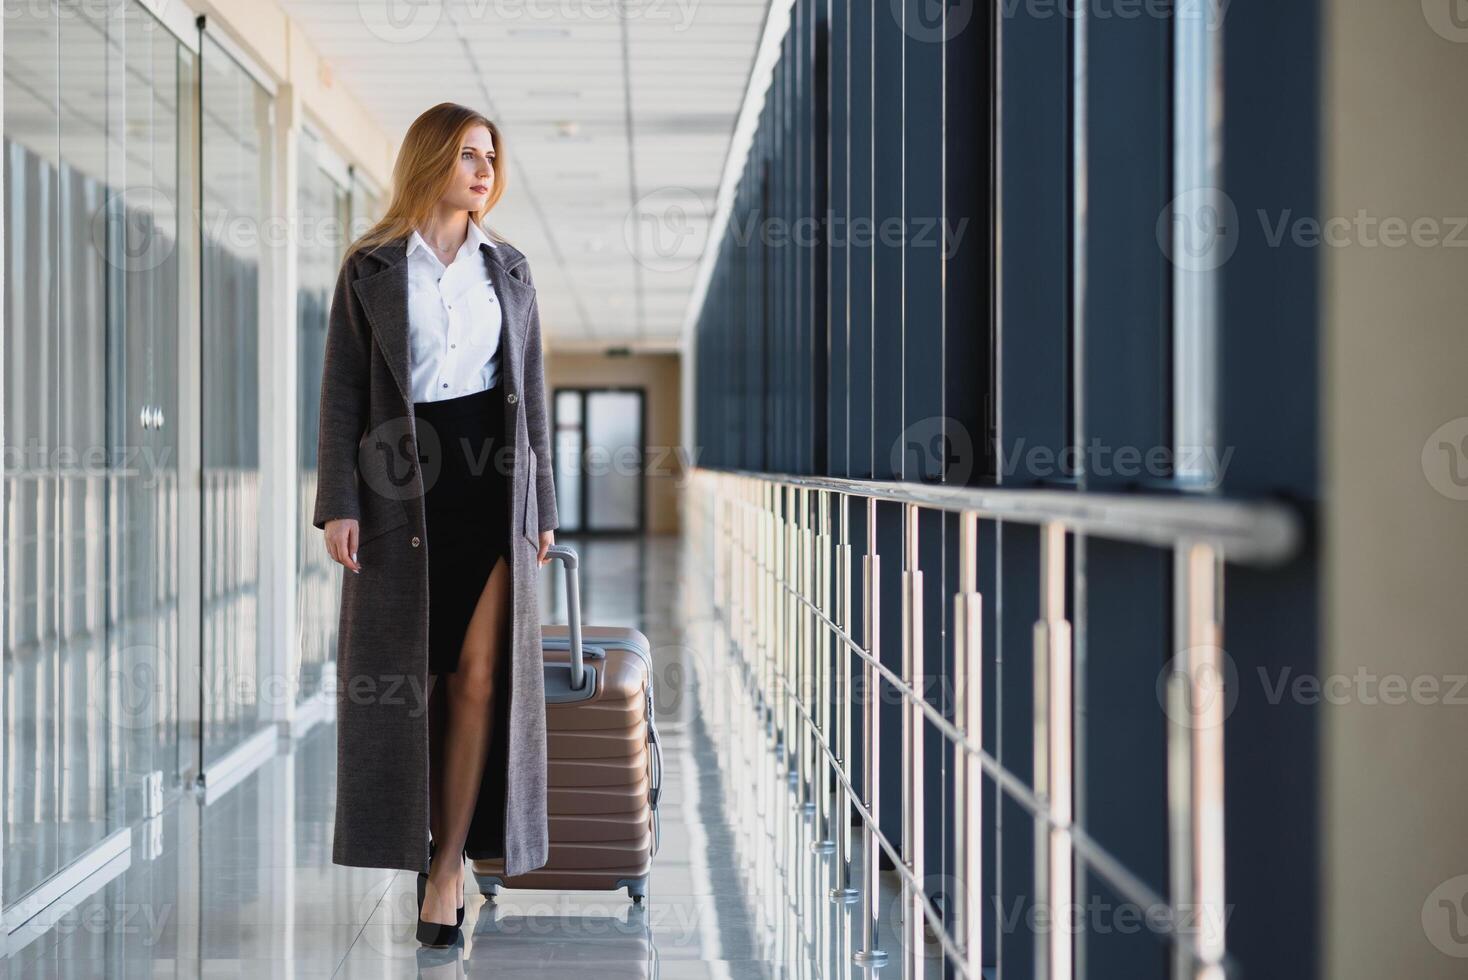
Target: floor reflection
[(246, 887)]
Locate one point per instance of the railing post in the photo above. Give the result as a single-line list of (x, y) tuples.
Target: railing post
[(968, 682), (804, 648), (781, 649), (1053, 873), (912, 741), (768, 626), (821, 671), (795, 582), (871, 766), (843, 892), (1197, 707)]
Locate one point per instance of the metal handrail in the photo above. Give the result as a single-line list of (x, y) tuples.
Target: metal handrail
[(774, 533), (1249, 532)]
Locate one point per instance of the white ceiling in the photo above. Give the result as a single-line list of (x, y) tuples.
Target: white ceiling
[(617, 117)]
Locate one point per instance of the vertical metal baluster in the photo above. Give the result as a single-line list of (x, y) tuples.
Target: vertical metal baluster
[(1198, 706), (843, 892), (871, 765), (779, 692), (770, 694), (781, 641), (968, 676), (1179, 761), (806, 648), (795, 736), (801, 700), (789, 581), (821, 674), (774, 622), (1053, 877), (912, 763), (807, 652), (766, 625), (795, 583), (709, 495)]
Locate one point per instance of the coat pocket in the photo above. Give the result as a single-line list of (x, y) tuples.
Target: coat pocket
[(532, 508), (379, 515), (387, 475)]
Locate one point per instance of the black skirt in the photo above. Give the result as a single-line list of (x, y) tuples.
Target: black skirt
[(466, 469)]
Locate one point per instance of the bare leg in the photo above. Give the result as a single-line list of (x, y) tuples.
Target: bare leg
[(466, 740)]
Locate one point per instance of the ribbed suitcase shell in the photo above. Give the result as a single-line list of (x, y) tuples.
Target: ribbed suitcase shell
[(604, 767)]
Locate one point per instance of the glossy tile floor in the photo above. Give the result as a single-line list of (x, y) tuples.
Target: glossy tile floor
[(245, 887)]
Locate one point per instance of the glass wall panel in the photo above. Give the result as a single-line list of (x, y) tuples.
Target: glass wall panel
[(236, 119), (34, 634), (147, 149), (92, 151), (323, 217)]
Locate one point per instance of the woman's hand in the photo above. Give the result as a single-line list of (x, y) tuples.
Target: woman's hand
[(341, 542), (547, 538)]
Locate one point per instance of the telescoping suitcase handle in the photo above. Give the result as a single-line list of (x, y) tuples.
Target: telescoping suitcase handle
[(569, 562)]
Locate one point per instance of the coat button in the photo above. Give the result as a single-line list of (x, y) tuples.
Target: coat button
[(512, 398), (415, 540)]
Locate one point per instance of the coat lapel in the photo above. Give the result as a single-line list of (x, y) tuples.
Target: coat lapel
[(507, 269), (384, 297)]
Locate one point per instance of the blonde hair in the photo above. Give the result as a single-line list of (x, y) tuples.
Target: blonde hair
[(425, 167)]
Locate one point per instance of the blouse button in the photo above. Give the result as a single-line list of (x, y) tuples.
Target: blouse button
[(511, 398), (415, 540)]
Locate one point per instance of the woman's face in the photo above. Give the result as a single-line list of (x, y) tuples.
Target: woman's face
[(474, 175)]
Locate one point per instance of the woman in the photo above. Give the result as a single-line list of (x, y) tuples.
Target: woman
[(435, 492)]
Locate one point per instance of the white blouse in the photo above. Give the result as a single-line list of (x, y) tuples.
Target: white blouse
[(453, 320)]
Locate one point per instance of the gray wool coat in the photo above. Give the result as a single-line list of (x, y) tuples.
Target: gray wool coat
[(368, 445)]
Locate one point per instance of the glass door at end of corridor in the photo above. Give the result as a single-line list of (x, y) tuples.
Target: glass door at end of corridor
[(600, 441)]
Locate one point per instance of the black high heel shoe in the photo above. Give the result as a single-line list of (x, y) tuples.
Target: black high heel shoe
[(437, 934), (423, 885)]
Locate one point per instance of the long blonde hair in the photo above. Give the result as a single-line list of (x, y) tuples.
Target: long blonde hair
[(424, 169)]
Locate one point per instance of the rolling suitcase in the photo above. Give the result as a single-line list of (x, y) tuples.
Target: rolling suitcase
[(604, 758)]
